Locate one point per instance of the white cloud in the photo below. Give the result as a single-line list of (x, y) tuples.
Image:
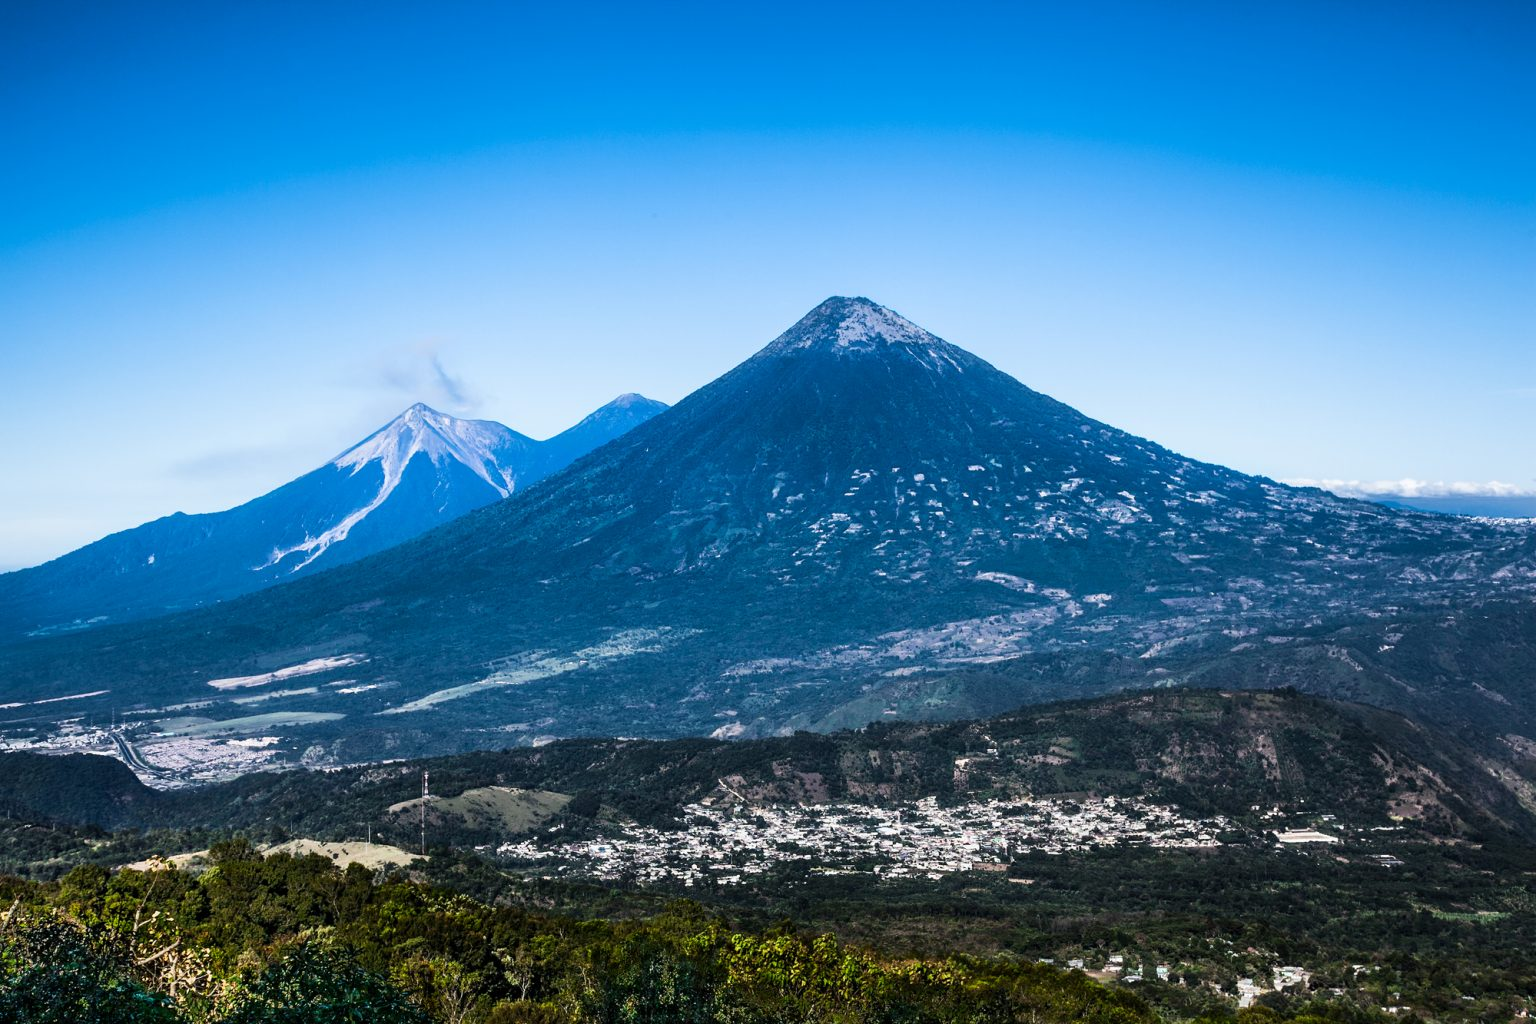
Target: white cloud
[(1409, 488)]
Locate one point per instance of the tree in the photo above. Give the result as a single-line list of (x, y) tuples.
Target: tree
[(442, 985), (585, 804), (649, 983), (52, 972), (311, 984)]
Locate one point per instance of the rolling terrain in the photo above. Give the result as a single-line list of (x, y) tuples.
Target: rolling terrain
[(1206, 752)]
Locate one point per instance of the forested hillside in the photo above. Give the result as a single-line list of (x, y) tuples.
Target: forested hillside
[(1205, 751), (295, 939)]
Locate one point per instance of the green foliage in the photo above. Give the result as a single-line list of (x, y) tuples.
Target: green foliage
[(285, 940), (310, 984), (52, 972), (288, 939), (646, 982)]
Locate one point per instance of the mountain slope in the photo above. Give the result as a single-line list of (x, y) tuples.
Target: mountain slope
[(615, 419), (421, 470), (861, 520)]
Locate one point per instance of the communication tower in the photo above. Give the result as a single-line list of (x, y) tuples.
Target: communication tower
[(425, 795)]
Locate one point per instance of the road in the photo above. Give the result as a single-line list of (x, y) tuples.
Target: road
[(131, 756)]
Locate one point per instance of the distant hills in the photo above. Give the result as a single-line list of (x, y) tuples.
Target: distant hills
[(1204, 751), (422, 469), (860, 522), (1493, 506)]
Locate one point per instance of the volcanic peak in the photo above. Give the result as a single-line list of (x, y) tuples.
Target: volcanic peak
[(442, 438), (854, 326)]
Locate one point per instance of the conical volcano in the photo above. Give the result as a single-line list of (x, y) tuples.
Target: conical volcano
[(861, 520)]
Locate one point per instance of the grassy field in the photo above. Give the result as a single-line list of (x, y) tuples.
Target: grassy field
[(501, 808), (370, 855), (259, 723)]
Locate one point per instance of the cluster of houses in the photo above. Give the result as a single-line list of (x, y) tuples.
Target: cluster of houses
[(727, 841)]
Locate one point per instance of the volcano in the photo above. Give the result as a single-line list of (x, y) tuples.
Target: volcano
[(422, 469), (860, 521)]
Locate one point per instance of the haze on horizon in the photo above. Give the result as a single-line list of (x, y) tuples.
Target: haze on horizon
[(235, 240)]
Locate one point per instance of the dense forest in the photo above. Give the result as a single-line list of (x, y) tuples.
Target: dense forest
[(1445, 937), (282, 938)]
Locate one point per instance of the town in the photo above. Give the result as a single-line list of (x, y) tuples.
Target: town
[(728, 840)]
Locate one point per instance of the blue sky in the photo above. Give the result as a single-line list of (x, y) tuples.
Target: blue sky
[(1296, 239)]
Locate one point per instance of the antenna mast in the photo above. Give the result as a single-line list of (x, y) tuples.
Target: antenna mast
[(425, 794)]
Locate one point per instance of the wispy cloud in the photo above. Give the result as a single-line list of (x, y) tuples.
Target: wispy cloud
[(418, 374), (235, 462), (1409, 488)]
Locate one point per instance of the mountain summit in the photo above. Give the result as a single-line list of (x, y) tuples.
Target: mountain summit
[(457, 464), (859, 521), (615, 419), (422, 469), (858, 327), (488, 449)]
